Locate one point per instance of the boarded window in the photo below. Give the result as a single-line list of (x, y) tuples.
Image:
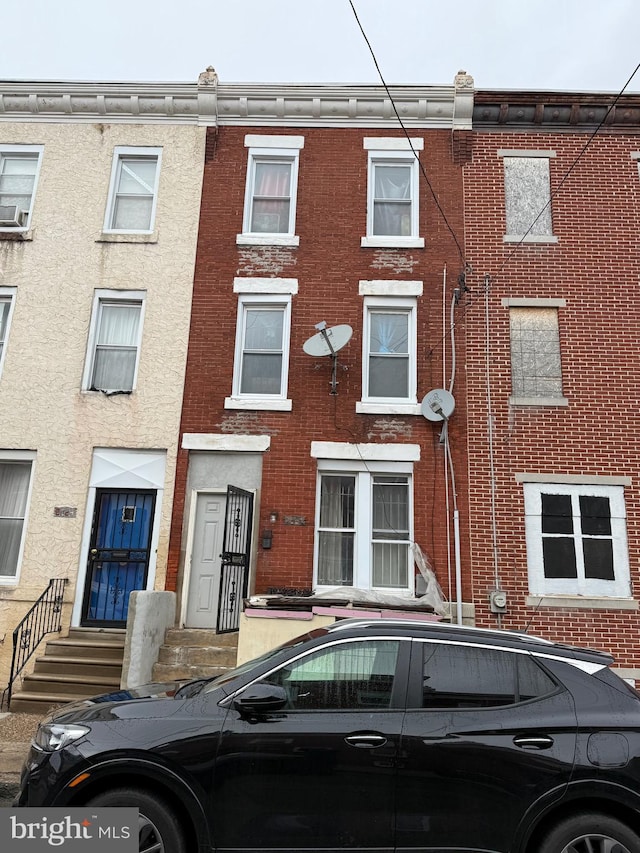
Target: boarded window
[(527, 196), (535, 353)]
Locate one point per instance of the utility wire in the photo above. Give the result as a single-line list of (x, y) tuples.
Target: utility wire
[(406, 133)]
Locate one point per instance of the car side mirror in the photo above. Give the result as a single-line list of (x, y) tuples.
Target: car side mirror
[(261, 697)]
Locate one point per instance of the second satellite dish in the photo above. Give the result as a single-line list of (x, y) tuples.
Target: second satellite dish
[(438, 405), (327, 341)]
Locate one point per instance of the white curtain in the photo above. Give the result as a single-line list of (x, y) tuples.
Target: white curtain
[(271, 198), (14, 485), (116, 348), (389, 354), (17, 175), (134, 198), (390, 532), (392, 201)]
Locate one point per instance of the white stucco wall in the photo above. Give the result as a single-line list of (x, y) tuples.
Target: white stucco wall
[(56, 273)]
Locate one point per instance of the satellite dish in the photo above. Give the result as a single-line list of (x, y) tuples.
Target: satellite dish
[(438, 405), (327, 341)]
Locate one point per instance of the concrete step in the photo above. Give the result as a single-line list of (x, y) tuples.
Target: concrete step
[(23, 702), (199, 637), (172, 672), (93, 649), (79, 666), (75, 685), (205, 655)]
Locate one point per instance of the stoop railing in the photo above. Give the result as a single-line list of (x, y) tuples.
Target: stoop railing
[(43, 618)]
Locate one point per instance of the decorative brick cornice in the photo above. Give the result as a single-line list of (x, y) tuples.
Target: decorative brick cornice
[(555, 111), (209, 102)]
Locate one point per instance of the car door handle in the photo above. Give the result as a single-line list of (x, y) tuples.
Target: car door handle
[(370, 740), (533, 742)]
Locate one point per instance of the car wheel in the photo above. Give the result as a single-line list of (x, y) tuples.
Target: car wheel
[(590, 833), (158, 829)]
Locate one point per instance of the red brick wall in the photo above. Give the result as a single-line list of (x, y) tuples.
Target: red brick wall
[(595, 267), (329, 263)]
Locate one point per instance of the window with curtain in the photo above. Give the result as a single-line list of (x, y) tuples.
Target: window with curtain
[(14, 489), (5, 305), (271, 197), (388, 358), (364, 530), (134, 186), (262, 350), (576, 539), (392, 201), (116, 345), (18, 174)]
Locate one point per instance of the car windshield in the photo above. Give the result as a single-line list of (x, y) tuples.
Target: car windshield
[(271, 655)]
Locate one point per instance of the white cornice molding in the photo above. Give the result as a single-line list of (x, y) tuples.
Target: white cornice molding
[(242, 104)]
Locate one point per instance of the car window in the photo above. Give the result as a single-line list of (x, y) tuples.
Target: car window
[(345, 676), (474, 677)]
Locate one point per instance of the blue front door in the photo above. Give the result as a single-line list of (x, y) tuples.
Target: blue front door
[(118, 555)]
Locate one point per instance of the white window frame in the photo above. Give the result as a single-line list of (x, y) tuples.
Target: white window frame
[(276, 149), (32, 152), (393, 151), (7, 295), (102, 297), (252, 293), (20, 456), (539, 585), (390, 296), (120, 153), (364, 473), (529, 237)]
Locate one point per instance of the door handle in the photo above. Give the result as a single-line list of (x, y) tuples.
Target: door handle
[(366, 740), (533, 742)]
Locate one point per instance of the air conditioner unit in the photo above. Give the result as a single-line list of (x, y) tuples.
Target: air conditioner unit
[(12, 217)]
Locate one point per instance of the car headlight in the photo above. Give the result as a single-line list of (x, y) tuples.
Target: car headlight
[(51, 737)]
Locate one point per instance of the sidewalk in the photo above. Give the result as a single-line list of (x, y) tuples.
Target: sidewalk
[(16, 731)]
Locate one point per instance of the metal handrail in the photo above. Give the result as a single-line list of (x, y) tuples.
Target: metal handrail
[(44, 617)]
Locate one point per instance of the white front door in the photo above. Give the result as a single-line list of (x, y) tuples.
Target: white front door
[(204, 580)]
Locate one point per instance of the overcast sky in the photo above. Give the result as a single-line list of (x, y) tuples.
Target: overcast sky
[(577, 45)]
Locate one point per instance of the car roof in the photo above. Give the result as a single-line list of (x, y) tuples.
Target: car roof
[(432, 629)]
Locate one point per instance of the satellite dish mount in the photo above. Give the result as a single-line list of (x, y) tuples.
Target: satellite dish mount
[(328, 342)]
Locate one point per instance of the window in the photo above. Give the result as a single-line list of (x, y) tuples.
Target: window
[(19, 168), (364, 528), (527, 194), (15, 484), (535, 353), (576, 540), (392, 195), (131, 206), (271, 189), (471, 677), (114, 343), (6, 310), (389, 347), (261, 364), (349, 676)]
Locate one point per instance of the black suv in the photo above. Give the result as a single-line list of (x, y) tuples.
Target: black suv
[(378, 734)]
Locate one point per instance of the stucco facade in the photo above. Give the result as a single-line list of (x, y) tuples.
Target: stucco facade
[(51, 274)]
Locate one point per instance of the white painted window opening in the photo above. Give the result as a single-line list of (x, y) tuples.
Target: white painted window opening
[(7, 299), (19, 170), (114, 341), (527, 191), (576, 540), (393, 193), (389, 350), (133, 193), (16, 468), (271, 190), (364, 526)]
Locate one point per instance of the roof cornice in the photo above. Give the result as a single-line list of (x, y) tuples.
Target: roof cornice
[(556, 111), (209, 102)]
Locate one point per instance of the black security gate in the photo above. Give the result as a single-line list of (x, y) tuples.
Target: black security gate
[(236, 551)]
